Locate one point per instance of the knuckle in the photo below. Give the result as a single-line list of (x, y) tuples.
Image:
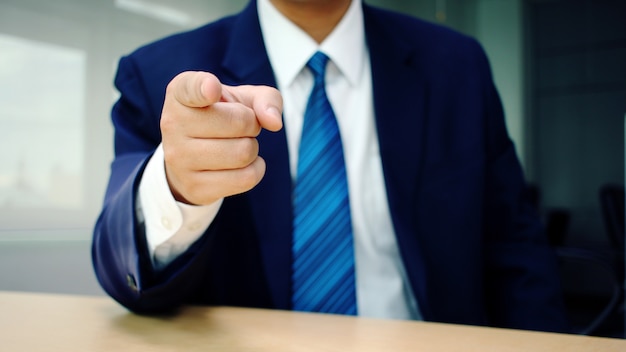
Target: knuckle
[(170, 85), (166, 124), (195, 190), (169, 154), (242, 119), (246, 151), (248, 178)]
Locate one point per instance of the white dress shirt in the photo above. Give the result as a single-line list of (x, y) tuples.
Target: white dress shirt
[(382, 285)]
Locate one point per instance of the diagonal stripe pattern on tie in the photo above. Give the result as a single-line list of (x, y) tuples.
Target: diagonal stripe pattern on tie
[(323, 253)]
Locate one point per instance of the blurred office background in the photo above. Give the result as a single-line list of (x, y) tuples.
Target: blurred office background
[(558, 64)]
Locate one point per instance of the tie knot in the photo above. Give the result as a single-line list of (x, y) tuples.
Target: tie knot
[(317, 64)]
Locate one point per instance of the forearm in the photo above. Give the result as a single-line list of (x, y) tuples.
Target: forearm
[(115, 250), (120, 253)]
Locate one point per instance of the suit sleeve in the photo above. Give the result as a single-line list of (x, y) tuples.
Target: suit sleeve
[(119, 251), (522, 277)]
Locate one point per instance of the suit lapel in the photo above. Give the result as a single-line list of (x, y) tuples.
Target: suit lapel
[(246, 62), (400, 110)]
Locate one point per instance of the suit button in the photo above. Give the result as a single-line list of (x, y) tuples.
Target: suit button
[(130, 281)]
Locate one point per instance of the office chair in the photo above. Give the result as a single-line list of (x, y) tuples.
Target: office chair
[(612, 207), (576, 260), (590, 313)]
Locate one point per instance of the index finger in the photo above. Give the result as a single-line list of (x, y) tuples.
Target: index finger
[(265, 101)]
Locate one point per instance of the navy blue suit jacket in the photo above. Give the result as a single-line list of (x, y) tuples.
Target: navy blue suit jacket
[(471, 243)]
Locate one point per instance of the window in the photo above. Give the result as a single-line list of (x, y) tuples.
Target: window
[(41, 125), (57, 62)]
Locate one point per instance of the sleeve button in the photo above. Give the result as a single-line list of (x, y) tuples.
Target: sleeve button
[(130, 281), (167, 224)]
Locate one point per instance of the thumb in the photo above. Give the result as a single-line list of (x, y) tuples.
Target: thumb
[(195, 89)]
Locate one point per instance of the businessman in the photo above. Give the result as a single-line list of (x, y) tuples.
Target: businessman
[(224, 136)]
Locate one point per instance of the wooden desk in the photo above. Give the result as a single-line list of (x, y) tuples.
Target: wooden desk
[(42, 322)]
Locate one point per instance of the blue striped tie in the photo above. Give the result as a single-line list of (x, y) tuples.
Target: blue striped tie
[(323, 254)]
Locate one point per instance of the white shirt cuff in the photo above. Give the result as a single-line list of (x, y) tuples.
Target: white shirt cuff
[(171, 226)]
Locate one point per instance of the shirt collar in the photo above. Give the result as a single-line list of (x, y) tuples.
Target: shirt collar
[(289, 47)]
